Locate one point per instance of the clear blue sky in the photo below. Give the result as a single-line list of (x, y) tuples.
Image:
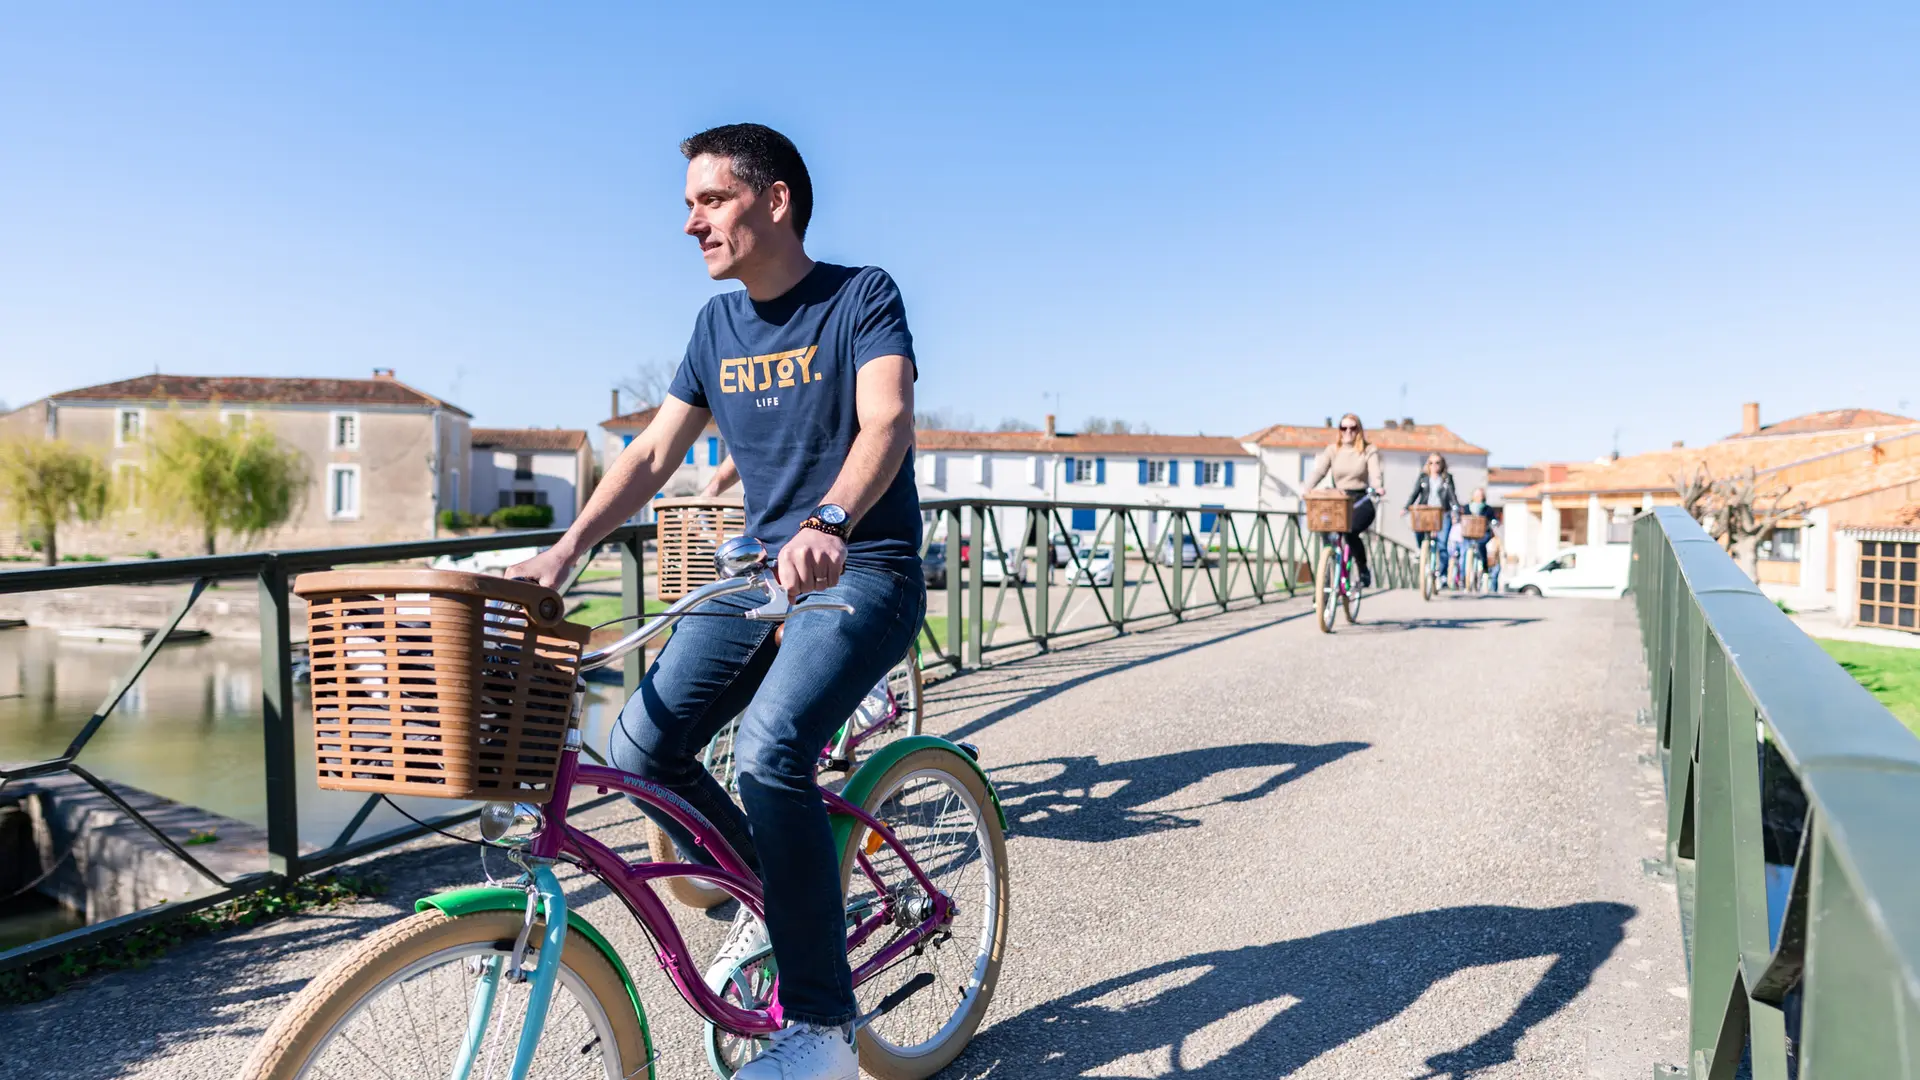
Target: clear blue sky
[(1545, 223)]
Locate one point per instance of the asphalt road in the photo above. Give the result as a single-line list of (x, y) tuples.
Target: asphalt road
[(1240, 849)]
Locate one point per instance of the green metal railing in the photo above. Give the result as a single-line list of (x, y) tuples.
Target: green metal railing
[(1793, 803), (272, 573), (1246, 557)]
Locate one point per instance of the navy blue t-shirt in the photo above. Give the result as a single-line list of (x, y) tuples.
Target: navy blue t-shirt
[(778, 377)]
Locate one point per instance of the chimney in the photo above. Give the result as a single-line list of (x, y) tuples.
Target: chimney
[(1329, 421), (616, 403), (1392, 424), (1406, 422), (1049, 425), (384, 374), (1679, 443), (1750, 418)]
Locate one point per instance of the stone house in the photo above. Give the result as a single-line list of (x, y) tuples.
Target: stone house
[(384, 457)]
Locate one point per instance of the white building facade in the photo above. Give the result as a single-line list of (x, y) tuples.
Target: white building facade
[(531, 467), (1287, 452)]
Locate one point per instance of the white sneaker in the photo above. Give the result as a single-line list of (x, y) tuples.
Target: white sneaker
[(806, 1052), (748, 936)]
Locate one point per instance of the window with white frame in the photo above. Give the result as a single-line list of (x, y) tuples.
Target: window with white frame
[(343, 492), (346, 431), (127, 482), (1212, 473), (1083, 471), (129, 427), (1157, 472)]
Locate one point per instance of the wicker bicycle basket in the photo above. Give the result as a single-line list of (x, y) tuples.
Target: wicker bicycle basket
[(1327, 510), (689, 531), (429, 682), (1426, 519), (1473, 527)]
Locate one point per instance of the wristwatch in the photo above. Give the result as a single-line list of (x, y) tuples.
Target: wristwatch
[(828, 518)]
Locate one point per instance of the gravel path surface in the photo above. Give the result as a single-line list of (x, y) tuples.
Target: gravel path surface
[(1240, 849)]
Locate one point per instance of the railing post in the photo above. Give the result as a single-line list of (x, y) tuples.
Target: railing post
[(1118, 518), (277, 715), (1177, 533), (1260, 556), (633, 600), (976, 585), (956, 579), (1041, 521)]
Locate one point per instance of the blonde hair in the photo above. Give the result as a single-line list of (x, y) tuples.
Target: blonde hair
[(1444, 470), (1359, 434)]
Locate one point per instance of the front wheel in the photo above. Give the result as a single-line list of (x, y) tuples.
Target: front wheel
[(1426, 573), (426, 994), (943, 815), (1325, 602)]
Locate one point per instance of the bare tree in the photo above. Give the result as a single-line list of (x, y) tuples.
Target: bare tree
[(1103, 425), (1734, 511), (647, 386), (1013, 423)]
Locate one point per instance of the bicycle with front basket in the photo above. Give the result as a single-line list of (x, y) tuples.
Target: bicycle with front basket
[(430, 682), (1336, 581)]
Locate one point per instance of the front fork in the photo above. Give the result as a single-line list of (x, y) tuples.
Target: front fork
[(544, 891)]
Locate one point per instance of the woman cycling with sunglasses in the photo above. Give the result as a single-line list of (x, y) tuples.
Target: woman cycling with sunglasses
[(1354, 465), (1434, 488)]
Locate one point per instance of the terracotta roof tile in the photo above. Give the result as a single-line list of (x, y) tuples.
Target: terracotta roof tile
[(1503, 474), (530, 439), (1039, 442), (1831, 420), (635, 420), (258, 390), (1655, 471), (1863, 481), (1420, 437)]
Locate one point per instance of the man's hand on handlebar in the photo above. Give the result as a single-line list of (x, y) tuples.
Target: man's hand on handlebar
[(811, 561), (549, 568)]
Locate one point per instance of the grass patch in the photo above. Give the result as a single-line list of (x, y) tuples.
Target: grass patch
[(594, 610), (600, 575), (938, 624), (1889, 673), (45, 978)]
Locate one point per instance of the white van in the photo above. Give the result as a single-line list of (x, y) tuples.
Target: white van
[(1596, 570)]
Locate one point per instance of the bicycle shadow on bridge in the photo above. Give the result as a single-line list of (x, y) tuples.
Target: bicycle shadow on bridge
[(1268, 1010), (1079, 798), (1459, 622)]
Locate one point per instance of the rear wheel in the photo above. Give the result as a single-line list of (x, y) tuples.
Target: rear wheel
[(1426, 572), (1325, 588), (1351, 595), (943, 815), (404, 1002)]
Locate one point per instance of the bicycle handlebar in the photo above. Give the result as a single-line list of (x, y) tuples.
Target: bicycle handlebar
[(738, 577)]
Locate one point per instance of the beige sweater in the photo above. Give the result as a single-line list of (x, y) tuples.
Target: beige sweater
[(1352, 470)]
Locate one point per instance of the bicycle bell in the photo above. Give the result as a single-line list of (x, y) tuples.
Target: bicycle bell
[(738, 556)]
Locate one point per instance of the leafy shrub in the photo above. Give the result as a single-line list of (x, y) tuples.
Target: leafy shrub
[(522, 517), (459, 520)]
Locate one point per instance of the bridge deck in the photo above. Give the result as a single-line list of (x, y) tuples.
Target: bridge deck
[(1241, 849)]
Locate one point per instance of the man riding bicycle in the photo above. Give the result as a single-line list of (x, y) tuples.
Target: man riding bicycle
[(809, 375)]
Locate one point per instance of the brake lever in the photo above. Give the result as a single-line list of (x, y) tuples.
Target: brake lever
[(778, 606)]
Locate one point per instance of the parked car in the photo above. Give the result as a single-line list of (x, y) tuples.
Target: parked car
[(1189, 555), (933, 566), (1595, 570), (996, 566), (1096, 567)]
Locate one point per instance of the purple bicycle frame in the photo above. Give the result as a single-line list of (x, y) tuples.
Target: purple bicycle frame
[(629, 881)]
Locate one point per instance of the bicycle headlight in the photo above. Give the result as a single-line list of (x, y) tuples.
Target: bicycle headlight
[(501, 821)]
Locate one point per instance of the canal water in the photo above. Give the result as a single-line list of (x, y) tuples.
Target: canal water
[(189, 730)]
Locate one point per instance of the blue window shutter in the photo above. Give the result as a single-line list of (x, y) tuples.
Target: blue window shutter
[(1229, 474), (1099, 470), (626, 440), (1070, 473), (1143, 470), (689, 455), (1173, 473), (713, 450), (1083, 520)]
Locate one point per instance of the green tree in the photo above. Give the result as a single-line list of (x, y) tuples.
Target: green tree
[(214, 476), (46, 483)]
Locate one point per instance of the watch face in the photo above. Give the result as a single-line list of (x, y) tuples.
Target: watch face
[(831, 514)]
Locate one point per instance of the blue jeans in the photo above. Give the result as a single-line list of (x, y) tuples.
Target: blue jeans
[(791, 698)]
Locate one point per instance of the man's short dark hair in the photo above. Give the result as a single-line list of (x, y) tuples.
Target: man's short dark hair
[(761, 156)]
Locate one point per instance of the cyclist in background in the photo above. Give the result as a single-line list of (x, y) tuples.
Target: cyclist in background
[(1476, 506), (1496, 554), (1354, 465), (1434, 487), (809, 373)]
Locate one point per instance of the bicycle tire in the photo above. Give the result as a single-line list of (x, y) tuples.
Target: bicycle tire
[(898, 799), (1323, 586), (1426, 572), (297, 1041), (1351, 597)]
